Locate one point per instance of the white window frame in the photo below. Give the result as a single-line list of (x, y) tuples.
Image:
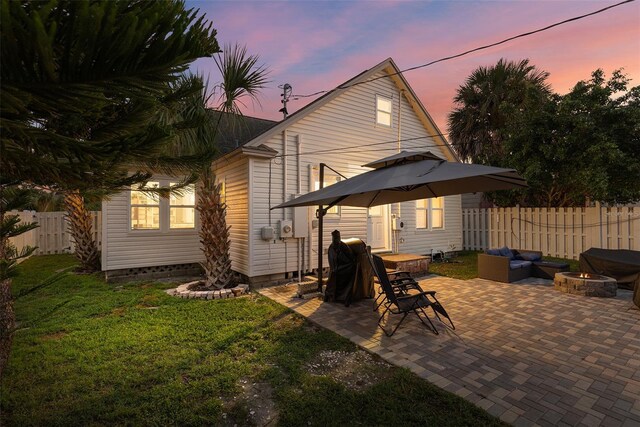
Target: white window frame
[(329, 179), (384, 113), (182, 206), (132, 206), (164, 211), (433, 209), (427, 211)]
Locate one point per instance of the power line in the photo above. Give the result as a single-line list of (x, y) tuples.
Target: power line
[(373, 144), (342, 149), (447, 58)]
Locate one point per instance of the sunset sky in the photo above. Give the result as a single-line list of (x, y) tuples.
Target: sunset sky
[(317, 45)]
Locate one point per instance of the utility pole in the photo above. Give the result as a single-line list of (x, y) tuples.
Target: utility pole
[(286, 94)]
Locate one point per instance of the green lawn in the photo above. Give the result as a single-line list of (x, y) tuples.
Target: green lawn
[(92, 353), (465, 265)]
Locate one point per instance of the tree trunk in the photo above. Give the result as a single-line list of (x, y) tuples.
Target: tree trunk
[(214, 234), (7, 322), (81, 229), (7, 314)]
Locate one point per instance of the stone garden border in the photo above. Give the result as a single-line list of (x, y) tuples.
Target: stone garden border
[(183, 291)]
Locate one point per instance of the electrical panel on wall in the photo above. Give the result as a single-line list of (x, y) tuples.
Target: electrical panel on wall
[(397, 223), (286, 229), (267, 233)]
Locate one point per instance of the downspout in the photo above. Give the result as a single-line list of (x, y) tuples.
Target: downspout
[(320, 229), (310, 227), (399, 120), (396, 233), (284, 172), (300, 241), (284, 195)]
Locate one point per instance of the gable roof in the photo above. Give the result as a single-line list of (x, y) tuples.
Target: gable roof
[(234, 131), (389, 66)]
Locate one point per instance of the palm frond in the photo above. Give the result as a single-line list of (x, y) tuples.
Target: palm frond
[(242, 77)]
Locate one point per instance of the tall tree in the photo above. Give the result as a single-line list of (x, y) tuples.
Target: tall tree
[(105, 68), (242, 77), (80, 224), (490, 98), (582, 146), (82, 86)]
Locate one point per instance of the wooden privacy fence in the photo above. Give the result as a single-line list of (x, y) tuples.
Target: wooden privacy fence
[(52, 237), (559, 232)]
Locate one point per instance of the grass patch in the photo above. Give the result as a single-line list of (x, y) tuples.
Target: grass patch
[(92, 353), (465, 265)]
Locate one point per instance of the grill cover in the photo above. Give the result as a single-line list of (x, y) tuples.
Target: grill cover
[(621, 264), (351, 276)]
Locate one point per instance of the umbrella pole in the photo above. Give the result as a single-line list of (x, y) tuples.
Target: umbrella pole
[(320, 229)]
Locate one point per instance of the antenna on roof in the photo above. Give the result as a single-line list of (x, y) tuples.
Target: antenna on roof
[(286, 94)]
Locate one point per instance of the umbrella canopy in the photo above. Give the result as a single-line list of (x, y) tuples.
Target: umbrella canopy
[(410, 176), (402, 177)]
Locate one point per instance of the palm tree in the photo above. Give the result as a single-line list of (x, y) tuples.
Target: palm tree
[(80, 224), (490, 98), (242, 77)]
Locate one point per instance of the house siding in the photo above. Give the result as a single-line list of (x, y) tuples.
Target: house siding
[(253, 184), (422, 241), (345, 122), (143, 248), (234, 173)]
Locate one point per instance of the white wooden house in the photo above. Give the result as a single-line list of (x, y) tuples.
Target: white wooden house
[(350, 126)]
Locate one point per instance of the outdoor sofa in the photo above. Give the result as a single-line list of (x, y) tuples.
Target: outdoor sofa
[(510, 265)]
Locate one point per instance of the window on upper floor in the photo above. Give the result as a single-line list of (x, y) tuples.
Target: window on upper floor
[(430, 213), (383, 111)]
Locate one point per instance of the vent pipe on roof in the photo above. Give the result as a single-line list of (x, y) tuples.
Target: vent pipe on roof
[(286, 94)]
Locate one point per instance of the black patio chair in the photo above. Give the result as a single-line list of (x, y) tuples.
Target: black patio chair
[(402, 283), (415, 300)]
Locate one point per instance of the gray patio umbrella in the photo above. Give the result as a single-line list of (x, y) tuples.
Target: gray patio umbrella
[(402, 177)]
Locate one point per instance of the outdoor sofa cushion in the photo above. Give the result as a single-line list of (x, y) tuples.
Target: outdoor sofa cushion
[(515, 264), (495, 252), (505, 251), (498, 268), (529, 256)]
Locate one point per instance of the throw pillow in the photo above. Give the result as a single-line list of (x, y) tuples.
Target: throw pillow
[(505, 251)]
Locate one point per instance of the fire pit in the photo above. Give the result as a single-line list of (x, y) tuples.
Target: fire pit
[(587, 284)]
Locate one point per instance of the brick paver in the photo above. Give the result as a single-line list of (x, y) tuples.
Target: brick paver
[(525, 352)]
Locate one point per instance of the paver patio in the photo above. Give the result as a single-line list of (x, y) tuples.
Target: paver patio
[(524, 352)]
